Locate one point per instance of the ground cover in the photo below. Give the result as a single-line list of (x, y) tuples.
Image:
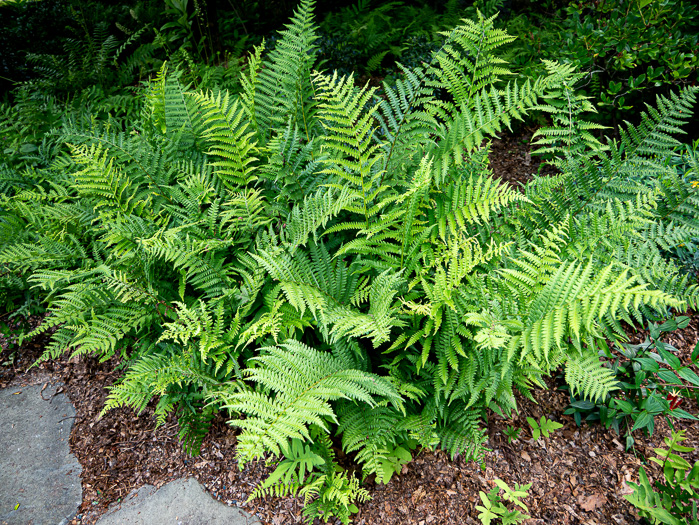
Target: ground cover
[(579, 475)]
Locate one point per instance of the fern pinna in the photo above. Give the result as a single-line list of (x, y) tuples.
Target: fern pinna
[(316, 258)]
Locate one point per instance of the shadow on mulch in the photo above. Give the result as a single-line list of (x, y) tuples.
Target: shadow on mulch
[(511, 159), (578, 475)]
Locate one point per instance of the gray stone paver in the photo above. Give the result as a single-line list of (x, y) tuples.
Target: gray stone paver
[(39, 477), (180, 502)]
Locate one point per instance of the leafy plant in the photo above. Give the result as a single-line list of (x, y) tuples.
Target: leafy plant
[(545, 427), (493, 507), (378, 38), (652, 382), (675, 503), (512, 433), (629, 49), (309, 470)]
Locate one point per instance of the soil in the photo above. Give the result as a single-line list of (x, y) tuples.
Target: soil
[(579, 475), (511, 159)]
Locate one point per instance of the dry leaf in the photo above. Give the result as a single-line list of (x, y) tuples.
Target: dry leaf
[(417, 495), (625, 489), (590, 503), (525, 456)]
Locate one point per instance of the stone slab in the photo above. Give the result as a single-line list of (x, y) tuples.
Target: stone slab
[(39, 477), (180, 502)]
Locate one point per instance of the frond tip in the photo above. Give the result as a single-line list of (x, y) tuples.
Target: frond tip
[(588, 378)]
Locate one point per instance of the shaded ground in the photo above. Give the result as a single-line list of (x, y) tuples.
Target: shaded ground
[(578, 475), (512, 161)]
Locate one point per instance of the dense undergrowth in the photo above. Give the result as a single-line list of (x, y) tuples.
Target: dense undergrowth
[(320, 260)]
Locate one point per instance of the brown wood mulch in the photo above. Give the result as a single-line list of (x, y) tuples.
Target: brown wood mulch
[(578, 475)]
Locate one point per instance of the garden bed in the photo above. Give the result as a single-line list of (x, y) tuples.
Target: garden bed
[(578, 475)]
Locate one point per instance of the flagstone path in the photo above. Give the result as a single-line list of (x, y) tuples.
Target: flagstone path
[(40, 478)]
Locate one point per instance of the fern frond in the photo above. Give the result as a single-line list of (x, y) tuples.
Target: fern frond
[(229, 138), (370, 433), (588, 378), (283, 89), (352, 154), (304, 380), (467, 63)]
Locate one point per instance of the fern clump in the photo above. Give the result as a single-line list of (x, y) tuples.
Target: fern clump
[(313, 259)]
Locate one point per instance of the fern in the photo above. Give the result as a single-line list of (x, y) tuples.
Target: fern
[(282, 89), (588, 379), (352, 156), (229, 139), (304, 380)]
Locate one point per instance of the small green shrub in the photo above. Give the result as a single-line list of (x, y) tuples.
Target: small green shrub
[(545, 427), (494, 510), (652, 383), (675, 503), (629, 49)]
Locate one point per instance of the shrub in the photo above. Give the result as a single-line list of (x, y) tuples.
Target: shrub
[(652, 382), (630, 50)]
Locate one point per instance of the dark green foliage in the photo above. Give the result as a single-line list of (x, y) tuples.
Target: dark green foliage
[(652, 382), (48, 24), (628, 50), (372, 38)]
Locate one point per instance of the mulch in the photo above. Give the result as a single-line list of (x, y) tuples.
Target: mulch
[(578, 475), (511, 159)]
